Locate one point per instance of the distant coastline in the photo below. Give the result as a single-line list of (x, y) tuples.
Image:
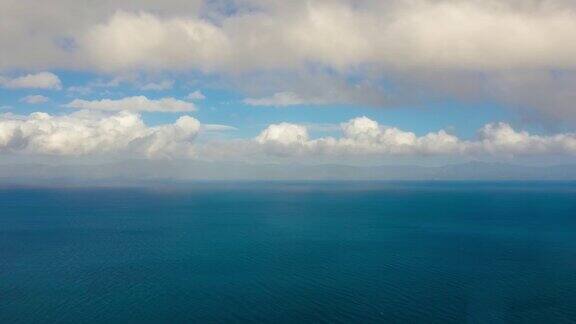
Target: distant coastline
[(141, 172)]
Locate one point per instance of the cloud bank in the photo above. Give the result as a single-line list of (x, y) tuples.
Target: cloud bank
[(125, 134), (469, 35), (520, 53)]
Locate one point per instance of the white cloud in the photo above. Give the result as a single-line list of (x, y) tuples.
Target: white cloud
[(218, 128), (501, 138), (42, 80), (362, 136), (35, 99), (403, 41), (283, 134), (137, 103), (84, 133), (469, 35), (169, 140), (284, 99), (125, 133), (196, 95), (143, 40), (158, 86)]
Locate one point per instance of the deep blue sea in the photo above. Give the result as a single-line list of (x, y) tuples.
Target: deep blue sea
[(294, 252)]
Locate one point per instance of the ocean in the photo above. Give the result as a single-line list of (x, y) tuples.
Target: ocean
[(290, 252)]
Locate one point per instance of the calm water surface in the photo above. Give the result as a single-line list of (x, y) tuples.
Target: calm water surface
[(337, 252)]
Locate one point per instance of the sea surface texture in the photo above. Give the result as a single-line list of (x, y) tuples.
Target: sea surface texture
[(294, 252)]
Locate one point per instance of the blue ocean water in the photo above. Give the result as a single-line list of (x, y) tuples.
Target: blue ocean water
[(335, 252)]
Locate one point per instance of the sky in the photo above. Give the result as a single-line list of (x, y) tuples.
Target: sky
[(333, 81)]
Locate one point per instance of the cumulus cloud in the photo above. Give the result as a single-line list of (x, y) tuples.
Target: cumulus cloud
[(137, 103), (501, 138), (283, 134), (125, 133), (169, 140), (35, 99), (84, 133), (362, 136), (42, 80)]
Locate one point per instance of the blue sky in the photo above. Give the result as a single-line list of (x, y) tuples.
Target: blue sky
[(226, 106)]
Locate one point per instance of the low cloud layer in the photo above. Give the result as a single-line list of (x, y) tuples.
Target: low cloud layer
[(362, 136), (125, 134)]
